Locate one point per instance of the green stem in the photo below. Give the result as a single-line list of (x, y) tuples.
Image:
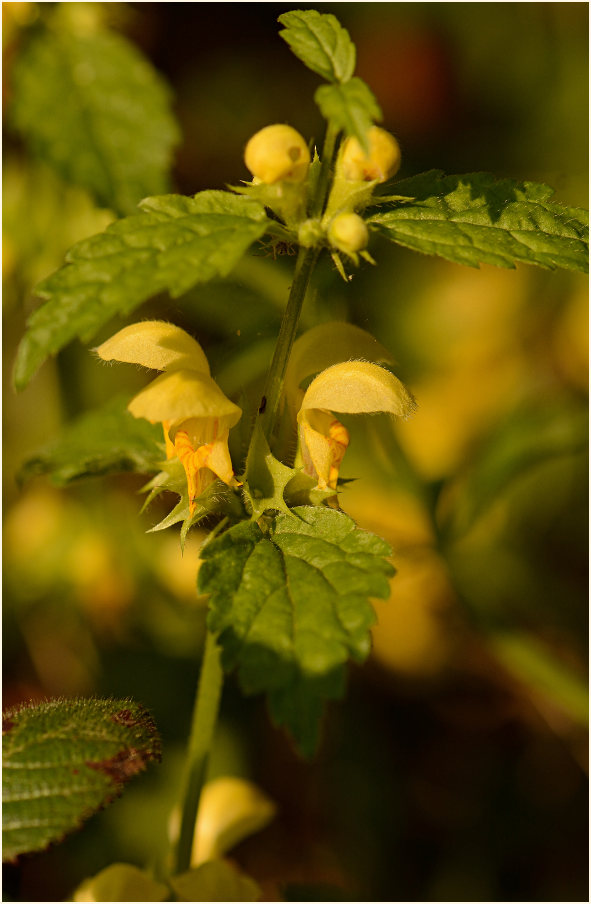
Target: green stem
[(287, 333), (327, 155), (202, 728), (305, 263)]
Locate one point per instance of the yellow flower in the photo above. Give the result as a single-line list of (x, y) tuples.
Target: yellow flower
[(353, 387), (348, 233), (277, 153), (381, 163), (195, 414)]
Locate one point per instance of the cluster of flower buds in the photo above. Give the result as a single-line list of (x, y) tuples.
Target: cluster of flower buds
[(279, 160)]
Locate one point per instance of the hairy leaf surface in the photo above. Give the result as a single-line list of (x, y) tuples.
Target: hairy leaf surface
[(291, 607), (320, 42), (476, 218), (93, 107), (174, 243), (352, 108), (63, 760)]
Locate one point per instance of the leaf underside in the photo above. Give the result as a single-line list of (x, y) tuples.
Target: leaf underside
[(351, 107), (292, 606), (114, 135), (65, 759), (173, 244), (476, 218)]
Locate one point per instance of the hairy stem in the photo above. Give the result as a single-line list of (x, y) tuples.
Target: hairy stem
[(205, 715)]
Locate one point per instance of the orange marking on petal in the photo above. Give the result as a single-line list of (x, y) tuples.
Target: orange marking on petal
[(338, 439)]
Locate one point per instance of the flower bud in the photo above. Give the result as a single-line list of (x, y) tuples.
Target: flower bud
[(348, 233), (277, 153), (382, 162)]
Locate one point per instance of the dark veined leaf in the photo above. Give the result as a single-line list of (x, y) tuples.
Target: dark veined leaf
[(63, 760), (351, 107), (291, 606), (94, 108), (174, 243), (106, 441), (476, 218), (320, 42)]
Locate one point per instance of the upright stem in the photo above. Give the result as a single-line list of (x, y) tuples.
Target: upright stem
[(327, 155), (305, 263), (202, 728), (276, 375)]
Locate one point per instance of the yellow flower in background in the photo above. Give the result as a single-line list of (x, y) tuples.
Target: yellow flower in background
[(195, 414), (353, 387)]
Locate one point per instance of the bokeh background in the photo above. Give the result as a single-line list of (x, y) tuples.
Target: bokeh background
[(456, 769)]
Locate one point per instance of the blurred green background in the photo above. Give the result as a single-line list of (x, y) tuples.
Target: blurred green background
[(457, 767)]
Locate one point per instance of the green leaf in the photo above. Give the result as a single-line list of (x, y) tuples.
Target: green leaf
[(320, 42), (265, 478), (216, 880), (476, 218), (63, 760), (292, 605), (217, 499), (94, 108), (121, 882), (106, 441), (174, 243), (351, 107)]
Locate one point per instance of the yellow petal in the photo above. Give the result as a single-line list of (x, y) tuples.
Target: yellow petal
[(204, 461), (328, 344), (184, 394), (358, 387), (230, 809), (382, 162), (323, 443), (155, 344), (277, 152)]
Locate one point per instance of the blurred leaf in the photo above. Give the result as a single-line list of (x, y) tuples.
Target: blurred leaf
[(172, 244), (292, 606), (476, 218), (106, 441), (352, 108), (320, 42), (217, 880), (93, 107), (540, 670), (65, 759), (526, 439), (121, 882)]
